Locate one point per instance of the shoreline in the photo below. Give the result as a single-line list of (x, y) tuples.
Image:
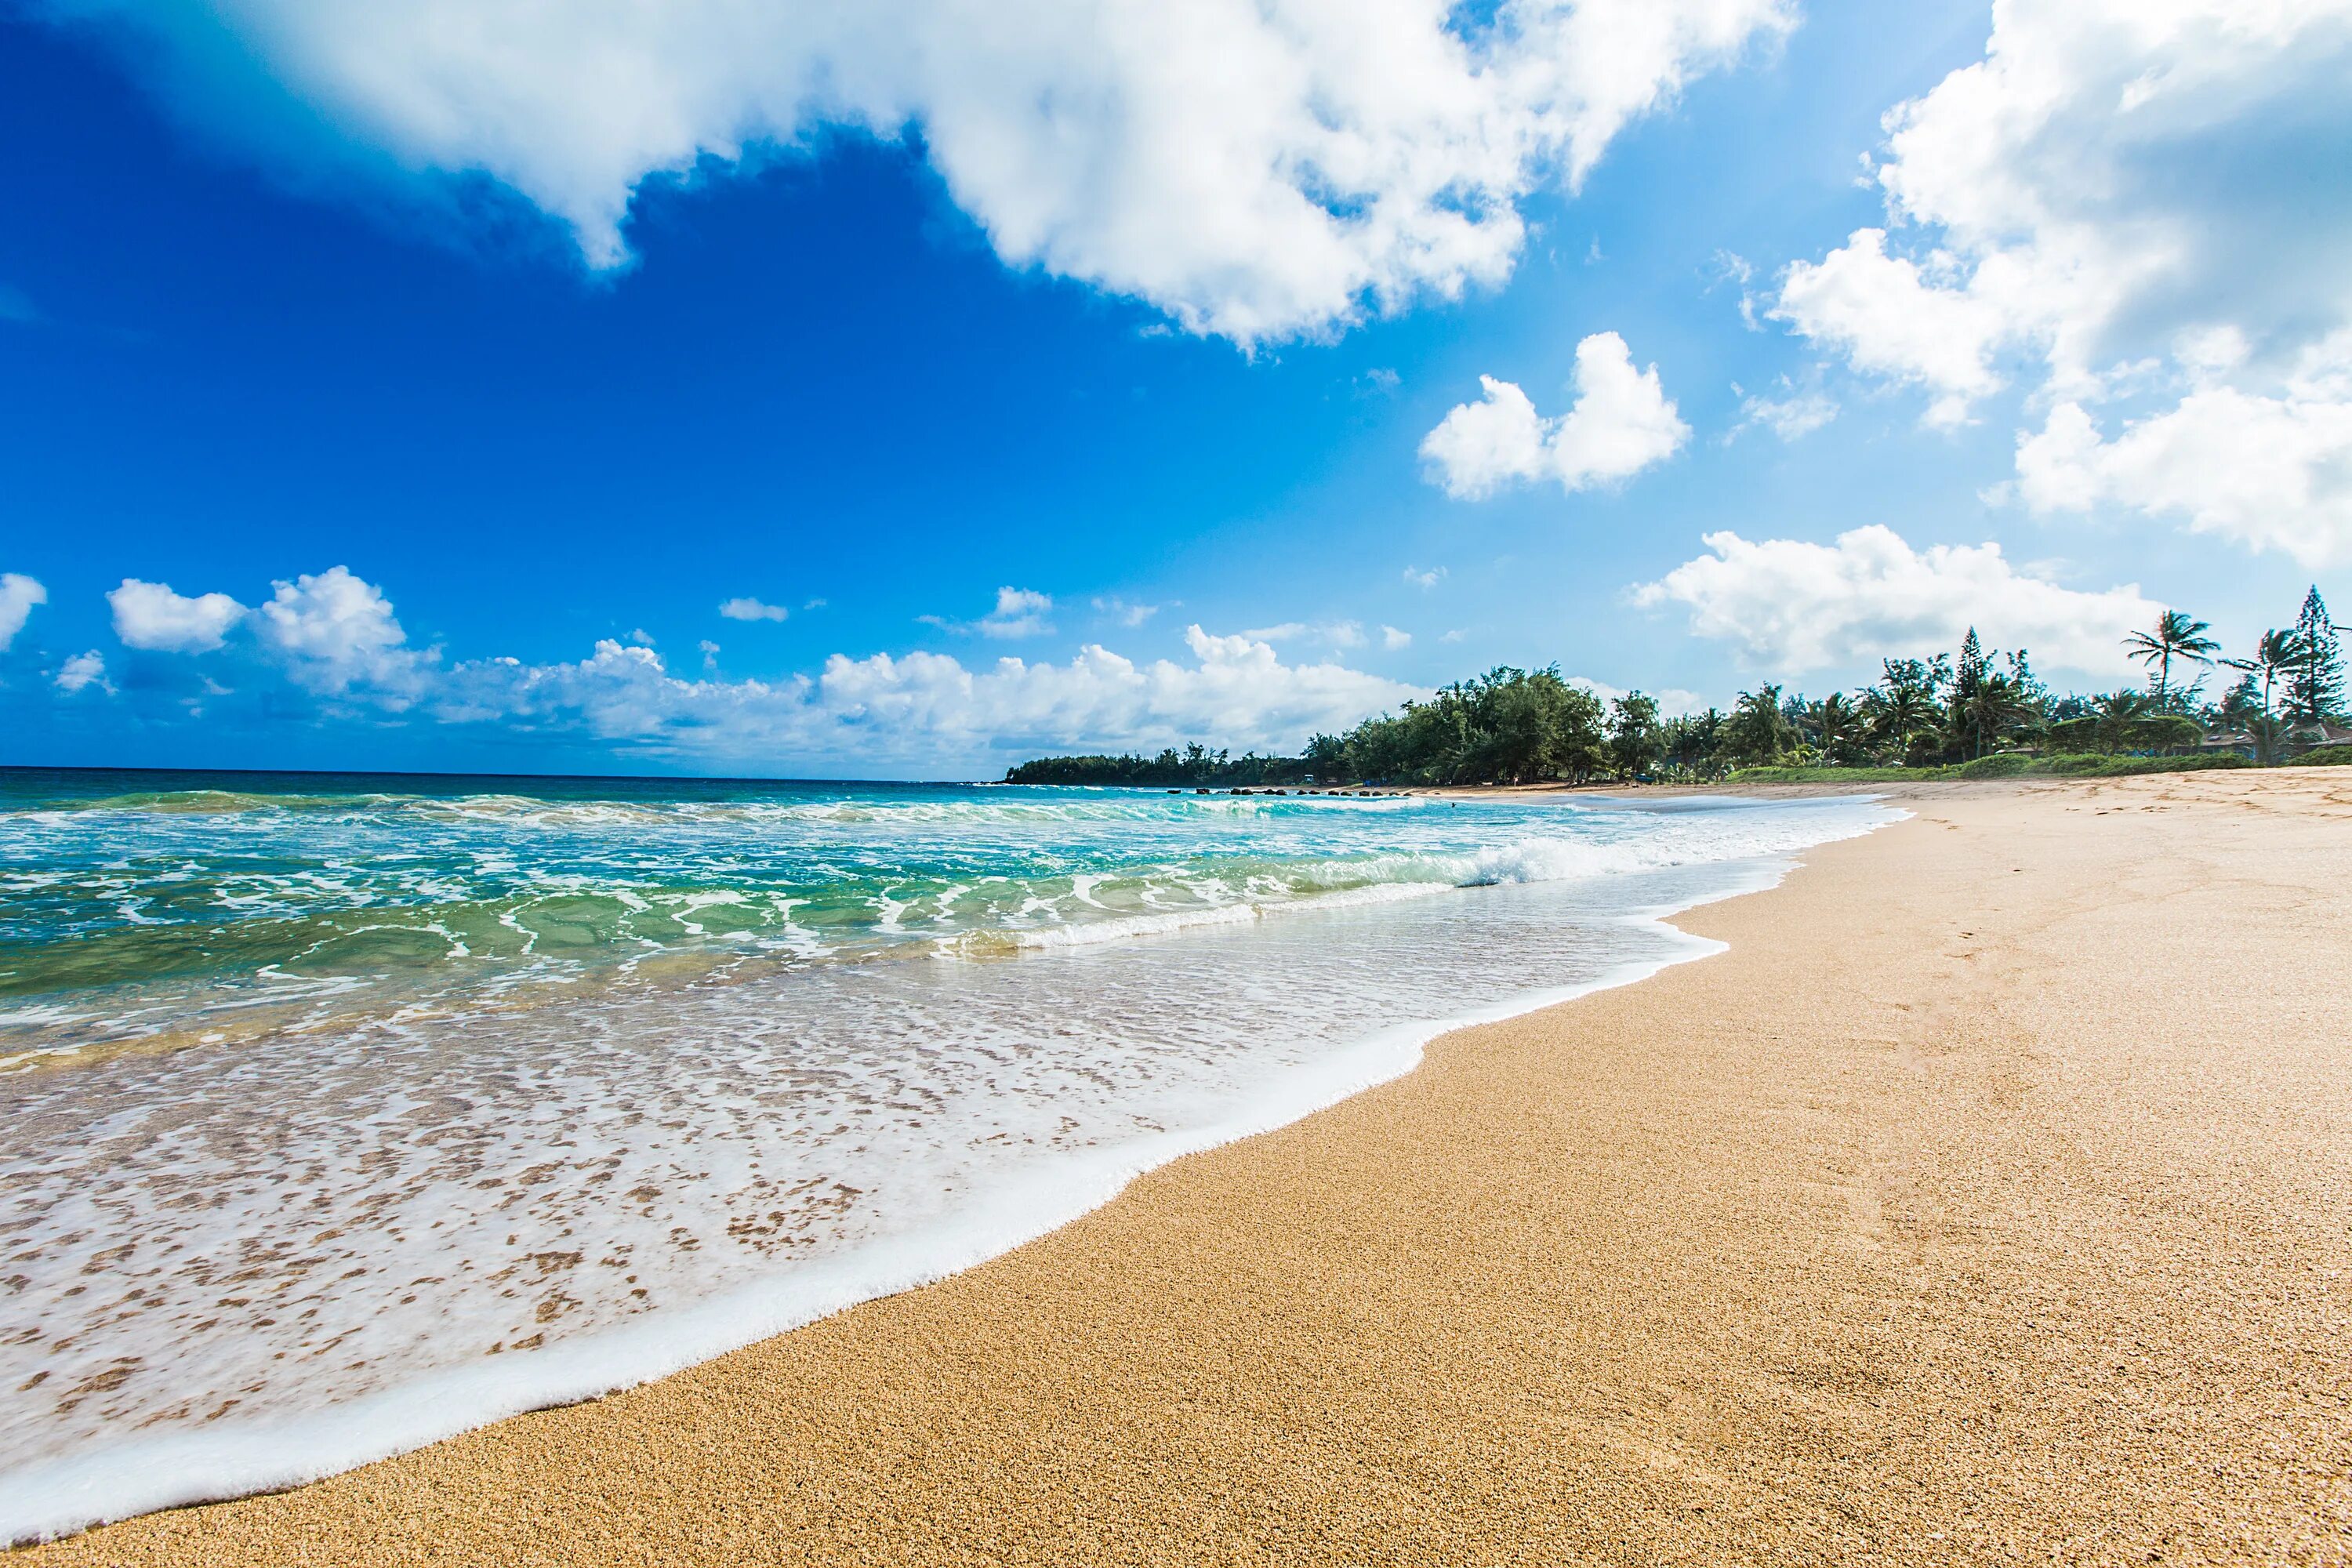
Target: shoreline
[(1443, 1317), (43, 1502)]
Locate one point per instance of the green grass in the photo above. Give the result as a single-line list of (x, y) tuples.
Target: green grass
[(2005, 766)]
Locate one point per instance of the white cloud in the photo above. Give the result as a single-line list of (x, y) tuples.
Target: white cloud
[(749, 609), (336, 632), (2131, 200), (1254, 170), (1019, 613), (150, 615), (1424, 577), (1892, 319), (18, 595), (1791, 606), (84, 669), (1393, 639), (1332, 634), (1123, 612), (1672, 700), (2272, 473), (1620, 423), (921, 711), (1455, 636), (1794, 414)]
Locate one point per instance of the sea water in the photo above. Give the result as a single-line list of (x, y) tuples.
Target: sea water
[(341, 1113)]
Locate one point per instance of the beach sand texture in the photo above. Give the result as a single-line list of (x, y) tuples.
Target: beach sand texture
[(1989, 1200)]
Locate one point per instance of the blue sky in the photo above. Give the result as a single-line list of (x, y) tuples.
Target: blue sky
[(1011, 347)]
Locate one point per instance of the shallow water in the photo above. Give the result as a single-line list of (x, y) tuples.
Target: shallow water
[(341, 1115)]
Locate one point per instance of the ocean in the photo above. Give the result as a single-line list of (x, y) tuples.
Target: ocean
[(338, 1113)]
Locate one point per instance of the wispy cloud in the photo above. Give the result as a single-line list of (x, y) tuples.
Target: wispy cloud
[(1118, 612), (1792, 412), (1019, 613), (750, 609)]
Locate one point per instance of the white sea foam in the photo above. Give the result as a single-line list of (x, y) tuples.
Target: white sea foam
[(248, 1266)]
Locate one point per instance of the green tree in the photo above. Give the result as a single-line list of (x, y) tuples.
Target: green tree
[(2178, 635), (2315, 685), (1901, 706), (1636, 738), (1972, 669), (1840, 730), (1758, 733), (2119, 711), (2278, 654), (1992, 708), (1693, 742), (2243, 703)]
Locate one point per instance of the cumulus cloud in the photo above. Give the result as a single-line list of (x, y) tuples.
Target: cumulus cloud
[(1791, 606), (1620, 423), (150, 615), (2272, 473), (84, 670), (18, 595), (1392, 639), (1424, 576), (749, 609), (1254, 170), (1892, 318), (919, 710), (336, 633), (2114, 192)]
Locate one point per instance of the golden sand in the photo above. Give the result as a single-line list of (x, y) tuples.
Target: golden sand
[(1991, 1200)]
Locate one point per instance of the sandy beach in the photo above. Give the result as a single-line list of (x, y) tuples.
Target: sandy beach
[(1986, 1201)]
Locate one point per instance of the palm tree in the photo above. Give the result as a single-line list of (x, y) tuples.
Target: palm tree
[(1840, 726), (2117, 711), (2269, 738), (1992, 710), (2278, 653), (1901, 705), (2178, 635)]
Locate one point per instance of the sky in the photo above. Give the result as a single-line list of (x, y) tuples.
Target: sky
[(901, 390)]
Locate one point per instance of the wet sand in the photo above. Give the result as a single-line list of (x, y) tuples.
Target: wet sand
[(1989, 1200)]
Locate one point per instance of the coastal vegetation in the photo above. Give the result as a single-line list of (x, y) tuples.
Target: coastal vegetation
[(1973, 713)]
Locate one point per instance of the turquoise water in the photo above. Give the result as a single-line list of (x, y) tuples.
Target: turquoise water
[(340, 1113)]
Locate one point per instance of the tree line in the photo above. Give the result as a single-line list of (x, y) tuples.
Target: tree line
[(1974, 707)]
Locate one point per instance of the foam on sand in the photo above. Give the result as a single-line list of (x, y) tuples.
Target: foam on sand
[(248, 1266)]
